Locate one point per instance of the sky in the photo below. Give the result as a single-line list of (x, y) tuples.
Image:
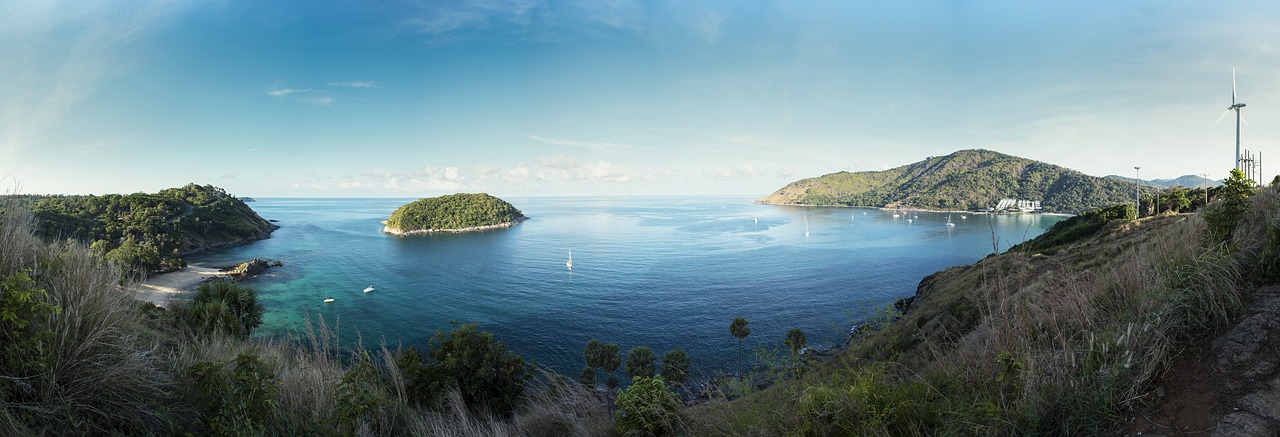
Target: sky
[(408, 98)]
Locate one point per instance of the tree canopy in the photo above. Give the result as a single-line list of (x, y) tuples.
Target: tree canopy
[(453, 212)]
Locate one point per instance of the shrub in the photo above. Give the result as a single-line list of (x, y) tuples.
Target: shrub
[(1223, 218), (486, 375), (647, 408), (222, 307), (362, 397), (22, 343), (241, 402)]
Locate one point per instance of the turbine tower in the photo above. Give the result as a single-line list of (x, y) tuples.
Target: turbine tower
[(1235, 106)]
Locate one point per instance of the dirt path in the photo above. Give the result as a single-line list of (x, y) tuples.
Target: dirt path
[(1225, 386)]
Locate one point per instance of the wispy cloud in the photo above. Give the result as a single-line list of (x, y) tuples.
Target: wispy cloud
[(599, 146), (80, 44), (355, 84), (743, 172), (285, 92)]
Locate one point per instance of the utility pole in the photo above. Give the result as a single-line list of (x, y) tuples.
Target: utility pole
[(1204, 183), (1137, 192)]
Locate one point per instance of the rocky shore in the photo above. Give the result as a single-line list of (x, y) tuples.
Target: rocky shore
[(399, 233)]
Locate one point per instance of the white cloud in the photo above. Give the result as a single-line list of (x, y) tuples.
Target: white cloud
[(743, 172), (285, 92)]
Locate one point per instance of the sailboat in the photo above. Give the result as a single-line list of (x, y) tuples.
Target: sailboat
[(806, 225), (328, 300), (569, 263), (949, 224), (369, 288), (755, 221)]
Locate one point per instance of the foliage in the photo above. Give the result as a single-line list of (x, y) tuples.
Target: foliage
[(598, 354), (147, 233), (222, 307), (362, 397), (640, 362), (964, 180), (486, 375), (648, 408), (239, 402), (675, 366), (795, 340), (23, 350), (1074, 229), (739, 329), (1225, 216), (455, 211)]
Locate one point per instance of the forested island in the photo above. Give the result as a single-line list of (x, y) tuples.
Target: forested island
[(964, 180), (147, 233), (462, 212)]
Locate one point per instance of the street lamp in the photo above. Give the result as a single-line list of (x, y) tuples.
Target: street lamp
[(1137, 192)]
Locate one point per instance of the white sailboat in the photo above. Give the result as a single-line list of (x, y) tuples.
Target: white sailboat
[(569, 263), (806, 225), (328, 300), (369, 288), (949, 224)]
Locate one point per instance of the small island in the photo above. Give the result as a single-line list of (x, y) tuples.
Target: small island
[(463, 212)]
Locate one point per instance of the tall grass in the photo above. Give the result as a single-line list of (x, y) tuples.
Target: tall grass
[(103, 372)]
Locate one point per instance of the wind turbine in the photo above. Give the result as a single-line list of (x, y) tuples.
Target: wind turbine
[(1236, 106)]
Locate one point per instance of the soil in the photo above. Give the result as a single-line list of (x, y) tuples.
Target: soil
[(1224, 385)]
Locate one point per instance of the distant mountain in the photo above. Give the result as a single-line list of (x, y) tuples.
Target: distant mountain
[(1188, 181), (964, 180)]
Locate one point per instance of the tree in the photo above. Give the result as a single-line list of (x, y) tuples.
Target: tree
[(738, 328), (1234, 196), (223, 307), (795, 340), (588, 376), (611, 357), (640, 362), (593, 353), (485, 373), (675, 366)]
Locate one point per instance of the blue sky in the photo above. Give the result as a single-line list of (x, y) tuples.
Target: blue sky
[(519, 98)]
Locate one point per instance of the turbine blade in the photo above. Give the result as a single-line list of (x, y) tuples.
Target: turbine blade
[(1233, 85), (1224, 114), (1246, 122)]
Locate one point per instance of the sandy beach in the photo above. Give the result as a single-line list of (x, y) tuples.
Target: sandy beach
[(163, 288)]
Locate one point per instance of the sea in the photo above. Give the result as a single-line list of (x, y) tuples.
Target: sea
[(664, 272)]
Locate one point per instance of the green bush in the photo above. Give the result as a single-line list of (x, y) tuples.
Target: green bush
[(22, 343), (239, 402), (224, 308), (362, 398), (648, 408), (1076, 228), (486, 375)]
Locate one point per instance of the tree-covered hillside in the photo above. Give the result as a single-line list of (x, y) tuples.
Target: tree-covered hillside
[(453, 212), (964, 180), (148, 233)]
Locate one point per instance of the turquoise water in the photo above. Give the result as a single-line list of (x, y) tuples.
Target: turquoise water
[(665, 272)]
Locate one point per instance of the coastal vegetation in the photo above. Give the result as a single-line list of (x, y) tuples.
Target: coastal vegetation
[(1054, 337), (964, 180), (454, 212), (147, 233)]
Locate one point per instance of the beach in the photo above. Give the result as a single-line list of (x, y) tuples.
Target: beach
[(161, 289)]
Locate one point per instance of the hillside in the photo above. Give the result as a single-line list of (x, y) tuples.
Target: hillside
[(452, 213), (1072, 333), (964, 180), (148, 233)]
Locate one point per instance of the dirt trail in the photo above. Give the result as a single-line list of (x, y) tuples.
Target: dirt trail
[(1228, 385)]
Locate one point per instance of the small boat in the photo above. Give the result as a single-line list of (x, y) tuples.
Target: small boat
[(569, 263), (806, 225), (908, 220), (964, 217), (949, 224), (756, 220), (328, 300), (369, 288)]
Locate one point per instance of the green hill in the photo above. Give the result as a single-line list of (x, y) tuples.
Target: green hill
[(148, 233), (964, 180), (452, 213)]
